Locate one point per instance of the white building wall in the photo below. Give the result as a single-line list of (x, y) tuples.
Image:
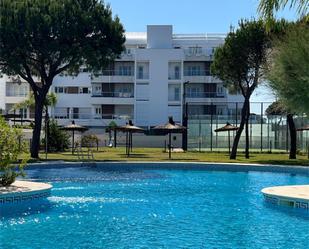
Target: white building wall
[(158, 82), (158, 52), (3, 79)]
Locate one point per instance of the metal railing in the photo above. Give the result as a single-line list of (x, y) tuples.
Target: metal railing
[(113, 94), (205, 95), (129, 72), (174, 76), (90, 116), (142, 76), (196, 72)]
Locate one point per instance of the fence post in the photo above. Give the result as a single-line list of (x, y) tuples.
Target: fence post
[(199, 136), (287, 137), (211, 117), (236, 113), (261, 126)]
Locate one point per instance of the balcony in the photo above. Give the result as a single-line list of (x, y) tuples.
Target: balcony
[(198, 53), (174, 76), (91, 119), (125, 98), (142, 76), (114, 94), (199, 76), (205, 97), (113, 76)]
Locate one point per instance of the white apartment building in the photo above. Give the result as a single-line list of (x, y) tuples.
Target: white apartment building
[(146, 84)]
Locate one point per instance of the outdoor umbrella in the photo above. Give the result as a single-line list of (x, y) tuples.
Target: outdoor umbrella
[(74, 127), (228, 127), (129, 129), (304, 128), (170, 127)]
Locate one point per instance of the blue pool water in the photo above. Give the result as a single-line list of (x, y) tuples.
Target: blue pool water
[(96, 208)]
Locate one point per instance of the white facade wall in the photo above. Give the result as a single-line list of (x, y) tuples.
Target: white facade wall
[(146, 84)]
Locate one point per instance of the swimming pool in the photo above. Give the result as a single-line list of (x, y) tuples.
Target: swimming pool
[(97, 207)]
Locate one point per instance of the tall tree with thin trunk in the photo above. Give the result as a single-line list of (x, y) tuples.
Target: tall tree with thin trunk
[(41, 39), (279, 108), (239, 64)]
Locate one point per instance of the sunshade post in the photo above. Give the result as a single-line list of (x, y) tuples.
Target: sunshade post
[(169, 145), (229, 142), (72, 142), (127, 143), (131, 137)]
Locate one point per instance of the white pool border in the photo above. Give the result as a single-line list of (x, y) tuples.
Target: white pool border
[(21, 191), (241, 167), (296, 196)]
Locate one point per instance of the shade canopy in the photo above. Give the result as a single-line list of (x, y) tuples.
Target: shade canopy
[(171, 126), (305, 128), (129, 128), (74, 127), (227, 127)]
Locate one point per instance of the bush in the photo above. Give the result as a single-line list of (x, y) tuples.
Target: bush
[(58, 140), (90, 140), (10, 148)]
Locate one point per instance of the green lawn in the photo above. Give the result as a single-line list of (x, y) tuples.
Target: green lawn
[(156, 154)]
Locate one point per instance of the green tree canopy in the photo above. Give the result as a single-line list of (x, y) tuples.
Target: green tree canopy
[(239, 64), (288, 72), (41, 39), (275, 108)]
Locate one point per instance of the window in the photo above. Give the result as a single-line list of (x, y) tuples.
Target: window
[(71, 90), (194, 70), (125, 70), (98, 112), (177, 93), (84, 90), (23, 112), (140, 72), (195, 50), (194, 92), (75, 113), (177, 72), (58, 89)]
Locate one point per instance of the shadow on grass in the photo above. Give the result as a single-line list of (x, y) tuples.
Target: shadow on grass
[(294, 162), (134, 156)]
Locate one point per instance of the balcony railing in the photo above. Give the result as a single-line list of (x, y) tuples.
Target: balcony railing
[(142, 76), (197, 73), (204, 95), (114, 94), (115, 73), (90, 116), (174, 76)]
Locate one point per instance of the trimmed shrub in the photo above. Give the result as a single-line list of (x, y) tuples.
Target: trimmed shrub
[(58, 140), (11, 146)]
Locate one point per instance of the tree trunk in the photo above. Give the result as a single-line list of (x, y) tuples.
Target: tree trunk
[(241, 128), (292, 129), (36, 135), (47, 128), (247, 131)]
